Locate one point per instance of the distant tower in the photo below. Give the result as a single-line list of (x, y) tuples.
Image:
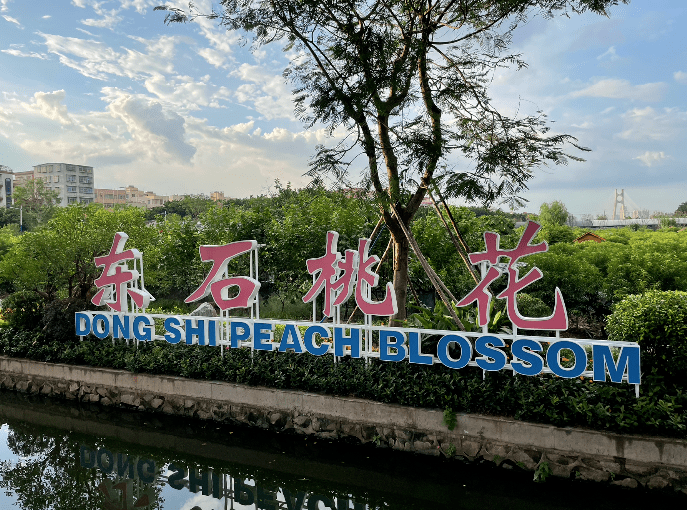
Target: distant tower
[(619, 199)]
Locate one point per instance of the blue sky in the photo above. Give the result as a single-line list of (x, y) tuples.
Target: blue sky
[(186, 109)]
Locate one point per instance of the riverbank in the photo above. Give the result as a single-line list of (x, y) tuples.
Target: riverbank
[(630, 461)]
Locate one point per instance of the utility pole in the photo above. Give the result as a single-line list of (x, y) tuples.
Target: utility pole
[(21, 219)]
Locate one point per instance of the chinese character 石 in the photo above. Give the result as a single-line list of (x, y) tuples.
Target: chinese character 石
[(557, 321), (216, 282), (117, 280), (337, 277)]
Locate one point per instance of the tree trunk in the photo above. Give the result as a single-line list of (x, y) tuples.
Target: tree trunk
[(401, 251)]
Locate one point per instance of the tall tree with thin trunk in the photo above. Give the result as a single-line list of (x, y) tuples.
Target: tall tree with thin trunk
[(406, 81)]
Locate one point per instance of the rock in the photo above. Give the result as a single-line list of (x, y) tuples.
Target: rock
[(422, 446), (102, 392), (156, 403), (127, 399), (301, 421), (22, 386), (188, 403), (46, 389), (106, 401), (595, 475), (73, 387), (656, 482), (630, 483), (167, 409), (205, 310)]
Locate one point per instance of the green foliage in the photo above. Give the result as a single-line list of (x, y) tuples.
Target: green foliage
[(594, 276), (658, 321), (440, 319), (450, 419), (561, 402), (191, 207), (56, 262), (37, 199), (681, 209), (530, 306), (22, 310), (553, 214), (542, 472)]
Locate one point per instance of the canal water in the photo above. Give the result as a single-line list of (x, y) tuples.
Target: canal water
[(70, 456)]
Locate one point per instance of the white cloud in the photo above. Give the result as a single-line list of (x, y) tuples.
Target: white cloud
[(623, 89), (680, 77), (47, 16), (213, 57), (139, 5), (19, 53), (109, 20), (49, 105), (643, 124), (3, 5), (609, 54), (12, 20), (96, 60), (158, 131), (276, 100), (651, 158), (85, 32)]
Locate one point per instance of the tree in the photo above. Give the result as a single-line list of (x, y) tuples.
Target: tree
[(57, 261), (36, 198), (553, 214), (681, 209), (407, 80)]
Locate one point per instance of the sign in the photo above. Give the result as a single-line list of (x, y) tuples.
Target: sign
[(339, 278)]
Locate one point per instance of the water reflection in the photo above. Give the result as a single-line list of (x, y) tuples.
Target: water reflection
[(71, 457)]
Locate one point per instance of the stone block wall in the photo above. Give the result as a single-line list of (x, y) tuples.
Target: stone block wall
[(628, 461)]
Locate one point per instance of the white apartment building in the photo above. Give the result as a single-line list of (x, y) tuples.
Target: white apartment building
[(73, 182)]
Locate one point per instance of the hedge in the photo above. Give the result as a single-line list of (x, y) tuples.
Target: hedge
[(543, 399)]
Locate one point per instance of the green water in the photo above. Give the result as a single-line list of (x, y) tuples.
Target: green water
[(59, 456)]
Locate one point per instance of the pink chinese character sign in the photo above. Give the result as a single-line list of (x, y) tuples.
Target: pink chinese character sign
[(558, 321), (218, 282), (338, 277), (117, 281)]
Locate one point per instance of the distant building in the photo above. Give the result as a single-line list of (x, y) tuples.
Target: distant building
[(217, 196), (6, 188), (74, 183), (21, 178), (109, 198)]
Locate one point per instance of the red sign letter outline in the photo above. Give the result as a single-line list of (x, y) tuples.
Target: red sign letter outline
[(117, 278), (216, 283), (556, 321), (337, 276)]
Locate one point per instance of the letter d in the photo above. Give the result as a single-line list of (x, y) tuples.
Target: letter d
[(83, 323)]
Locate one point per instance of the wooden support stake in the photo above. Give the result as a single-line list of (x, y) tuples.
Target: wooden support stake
[(441, 289)]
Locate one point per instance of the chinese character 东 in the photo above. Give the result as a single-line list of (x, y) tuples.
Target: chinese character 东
[(557, 321), (337, 276), (216, 284), (117, 281)]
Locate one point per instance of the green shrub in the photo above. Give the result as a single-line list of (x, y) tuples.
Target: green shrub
[(531, 306), (562, 402), (658, 321), (22, 310)]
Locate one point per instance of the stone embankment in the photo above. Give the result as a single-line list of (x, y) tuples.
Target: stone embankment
[(629, 461)]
